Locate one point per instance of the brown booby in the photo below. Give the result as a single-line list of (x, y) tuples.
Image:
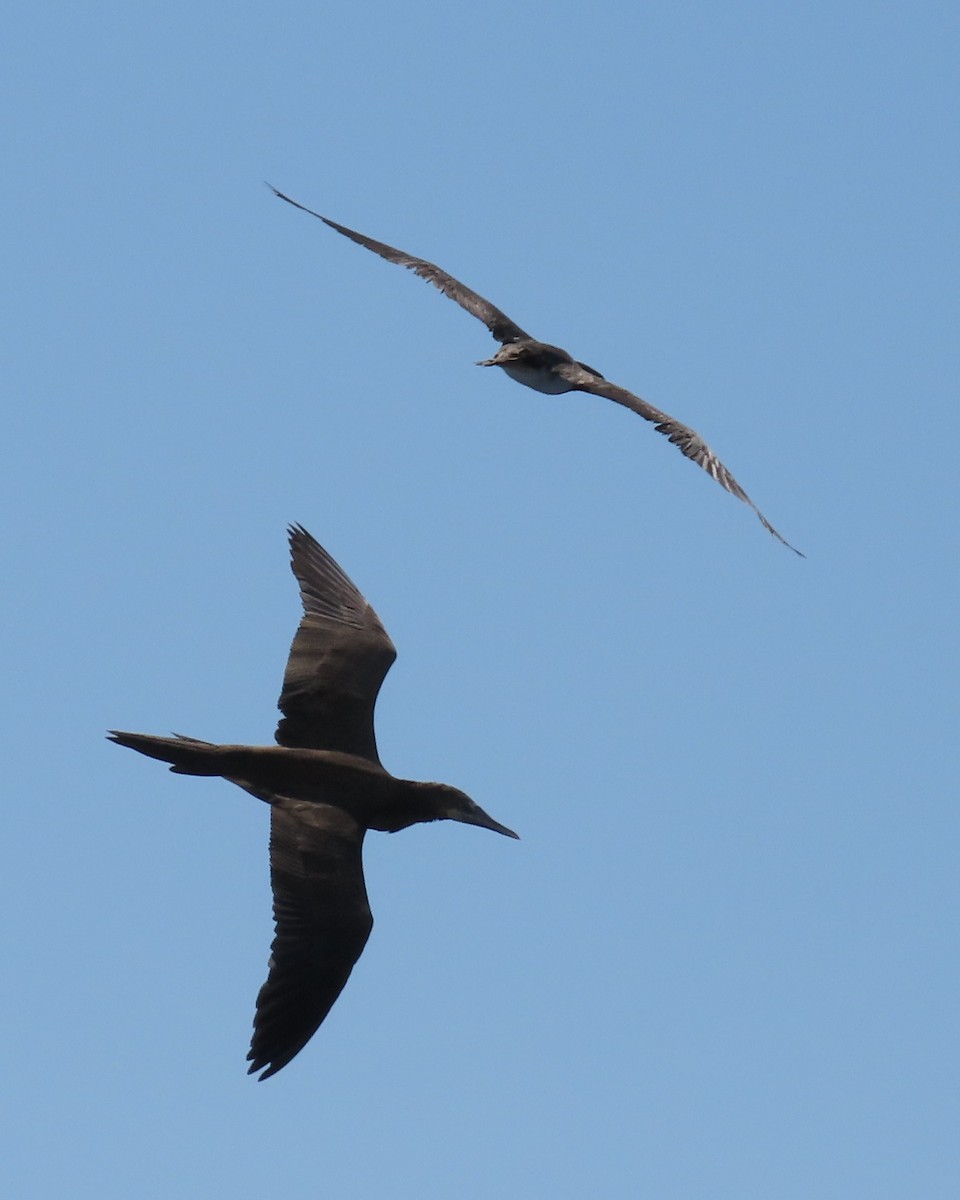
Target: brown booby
[(326, 787)]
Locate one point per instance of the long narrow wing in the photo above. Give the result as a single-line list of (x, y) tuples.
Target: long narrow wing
[(322, 919), (687, 441), (499, 324), (338, 660)]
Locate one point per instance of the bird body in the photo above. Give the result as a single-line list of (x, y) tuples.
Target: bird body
[(546, 368), (326, 787), (370, 795), (537, 365)]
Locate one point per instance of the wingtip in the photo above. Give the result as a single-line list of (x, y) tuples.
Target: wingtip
[(775, 533), (303, 208), (263, 1065), (297, 536)]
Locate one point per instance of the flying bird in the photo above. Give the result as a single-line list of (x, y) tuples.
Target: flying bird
[(326, 787), (547, 368)]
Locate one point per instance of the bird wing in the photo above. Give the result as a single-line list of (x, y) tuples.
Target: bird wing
[(499, 324), (338, 660), (322, 920), (683, 437)]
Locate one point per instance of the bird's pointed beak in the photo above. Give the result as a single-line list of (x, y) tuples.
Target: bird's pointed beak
[(486, 362), (476, 816)]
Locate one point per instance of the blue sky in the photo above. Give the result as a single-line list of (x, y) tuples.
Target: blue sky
[(722, 961)]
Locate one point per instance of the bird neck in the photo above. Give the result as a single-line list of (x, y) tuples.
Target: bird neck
[(411, 802)]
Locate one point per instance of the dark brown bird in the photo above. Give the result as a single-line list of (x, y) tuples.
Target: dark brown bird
[(326, 787), (547, 368)]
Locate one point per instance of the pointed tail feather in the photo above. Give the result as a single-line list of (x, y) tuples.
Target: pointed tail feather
[(187, 756)]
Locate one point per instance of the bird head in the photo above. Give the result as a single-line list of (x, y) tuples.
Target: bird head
[(457, 806)]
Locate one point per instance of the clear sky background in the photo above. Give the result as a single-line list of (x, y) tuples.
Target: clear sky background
[(723, 959)]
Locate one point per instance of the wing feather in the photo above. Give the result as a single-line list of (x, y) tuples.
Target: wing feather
[(687, 440), (499, 324), (323, 920), (339, 658)]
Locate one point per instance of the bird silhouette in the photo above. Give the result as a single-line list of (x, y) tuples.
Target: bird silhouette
[(326, 787), (547, 368)]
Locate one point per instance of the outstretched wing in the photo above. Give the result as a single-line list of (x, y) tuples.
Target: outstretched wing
[(499, 324), (322, 919), (686, 440), (337, 662)]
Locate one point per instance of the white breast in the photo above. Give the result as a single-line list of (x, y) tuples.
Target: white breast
[(536, 378)]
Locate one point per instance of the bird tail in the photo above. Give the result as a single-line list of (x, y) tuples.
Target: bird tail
[(187, 756)]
